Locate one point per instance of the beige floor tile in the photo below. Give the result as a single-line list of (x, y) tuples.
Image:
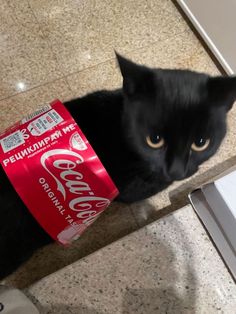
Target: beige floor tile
[(26, 59), (13, 13), (183, 51), (116, 222), (14, 108), (85, 33), (103, 76), (169, 267)]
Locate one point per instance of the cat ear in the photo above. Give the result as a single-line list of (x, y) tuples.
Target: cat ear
[(222, 90), (137, 79)]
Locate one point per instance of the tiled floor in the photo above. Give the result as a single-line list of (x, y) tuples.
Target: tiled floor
[(65, 48)]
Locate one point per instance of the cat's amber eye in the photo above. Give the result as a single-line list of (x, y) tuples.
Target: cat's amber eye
[(200, 145), (155, 141)]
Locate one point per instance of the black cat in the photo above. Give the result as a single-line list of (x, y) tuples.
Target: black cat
[(159, 128)]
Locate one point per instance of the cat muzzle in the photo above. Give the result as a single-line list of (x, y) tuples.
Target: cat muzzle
[(177, 170)]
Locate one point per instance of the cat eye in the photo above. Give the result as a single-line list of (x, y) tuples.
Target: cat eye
[(200, 144), (155, 141)]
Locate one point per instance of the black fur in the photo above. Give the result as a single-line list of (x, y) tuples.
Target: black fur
[(180, 106)]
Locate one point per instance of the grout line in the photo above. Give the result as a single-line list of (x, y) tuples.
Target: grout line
[(58, 65), (128, 51), (90, 67), (30, 89), (69, 87), (85, 69), (65, 76)]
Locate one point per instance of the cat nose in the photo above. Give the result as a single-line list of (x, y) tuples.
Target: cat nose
[(177, 170)]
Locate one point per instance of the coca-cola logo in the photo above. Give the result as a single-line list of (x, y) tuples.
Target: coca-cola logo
[(63, 166), (67, 165)]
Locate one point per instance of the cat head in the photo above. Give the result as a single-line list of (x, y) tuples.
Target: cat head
[(174, 119)]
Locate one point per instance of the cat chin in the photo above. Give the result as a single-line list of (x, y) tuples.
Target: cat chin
[(185, 176), (189, 174)]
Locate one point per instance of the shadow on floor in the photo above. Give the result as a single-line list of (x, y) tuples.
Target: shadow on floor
[(173, 278), (165, 283), (114, 224)]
